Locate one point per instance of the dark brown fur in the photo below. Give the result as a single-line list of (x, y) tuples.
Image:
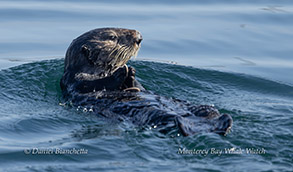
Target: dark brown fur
[(97, 60), (96, 76)]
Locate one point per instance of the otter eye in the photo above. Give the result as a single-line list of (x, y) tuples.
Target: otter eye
[(112, 37)]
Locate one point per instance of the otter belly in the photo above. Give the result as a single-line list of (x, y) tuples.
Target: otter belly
[(145, 109)]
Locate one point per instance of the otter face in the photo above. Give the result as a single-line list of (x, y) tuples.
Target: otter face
[(110, 48)]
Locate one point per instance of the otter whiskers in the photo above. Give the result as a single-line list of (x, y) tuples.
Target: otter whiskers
[(121, 54)]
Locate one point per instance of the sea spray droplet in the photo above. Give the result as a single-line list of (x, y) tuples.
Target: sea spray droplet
[(84, 109)]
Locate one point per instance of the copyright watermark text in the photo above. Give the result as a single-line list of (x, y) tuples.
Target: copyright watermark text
[(55, 151), (219, 152)]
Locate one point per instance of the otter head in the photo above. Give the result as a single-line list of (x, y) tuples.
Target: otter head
[(102, 51)]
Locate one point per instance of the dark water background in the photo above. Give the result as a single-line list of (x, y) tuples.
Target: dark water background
[(241, 58)]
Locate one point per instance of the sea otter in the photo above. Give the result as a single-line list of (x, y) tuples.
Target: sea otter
[(97, 60), (96, 76)]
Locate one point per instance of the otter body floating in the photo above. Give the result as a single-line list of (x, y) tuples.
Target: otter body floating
[(96, 76)]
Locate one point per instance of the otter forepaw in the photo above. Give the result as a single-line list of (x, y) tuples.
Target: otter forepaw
[(223, 124), (121, 73), (129, 82), (131, 71)]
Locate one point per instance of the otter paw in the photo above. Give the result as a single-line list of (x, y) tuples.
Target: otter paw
[(131, 71), (121, 73), (223, 124)]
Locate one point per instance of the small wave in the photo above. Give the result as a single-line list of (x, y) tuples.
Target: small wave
[(30, 97)]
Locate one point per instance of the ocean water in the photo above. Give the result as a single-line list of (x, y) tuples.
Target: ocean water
[(235, 55)]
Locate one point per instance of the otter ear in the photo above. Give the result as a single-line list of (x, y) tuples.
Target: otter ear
[(85, 50)]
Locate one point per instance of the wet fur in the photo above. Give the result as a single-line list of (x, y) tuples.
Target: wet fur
[(96, 76)]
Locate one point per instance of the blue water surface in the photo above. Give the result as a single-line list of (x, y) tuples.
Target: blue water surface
[(236, 55)]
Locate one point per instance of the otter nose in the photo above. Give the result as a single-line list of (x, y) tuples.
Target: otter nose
[(138, 38)]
